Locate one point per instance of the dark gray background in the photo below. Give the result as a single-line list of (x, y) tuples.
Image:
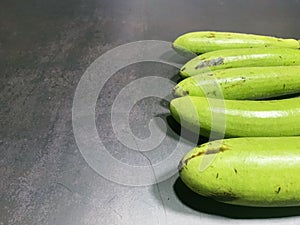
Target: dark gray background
[(45, 47)]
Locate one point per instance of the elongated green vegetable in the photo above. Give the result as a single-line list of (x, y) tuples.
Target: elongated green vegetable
[(246, 171), (242, 83), (206, 41), (238, 117), (233, 58)]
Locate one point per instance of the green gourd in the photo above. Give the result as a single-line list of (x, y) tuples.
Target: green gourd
[(206, 41), (242, 83), (238, 117), (244, 57), (250, 171)]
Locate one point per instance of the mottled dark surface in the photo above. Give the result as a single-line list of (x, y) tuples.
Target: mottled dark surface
[(45, 47)]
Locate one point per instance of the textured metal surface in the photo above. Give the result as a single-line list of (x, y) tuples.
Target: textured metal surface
[(45, 47)]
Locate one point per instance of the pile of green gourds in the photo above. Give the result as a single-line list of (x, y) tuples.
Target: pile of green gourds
[(239, 87)]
